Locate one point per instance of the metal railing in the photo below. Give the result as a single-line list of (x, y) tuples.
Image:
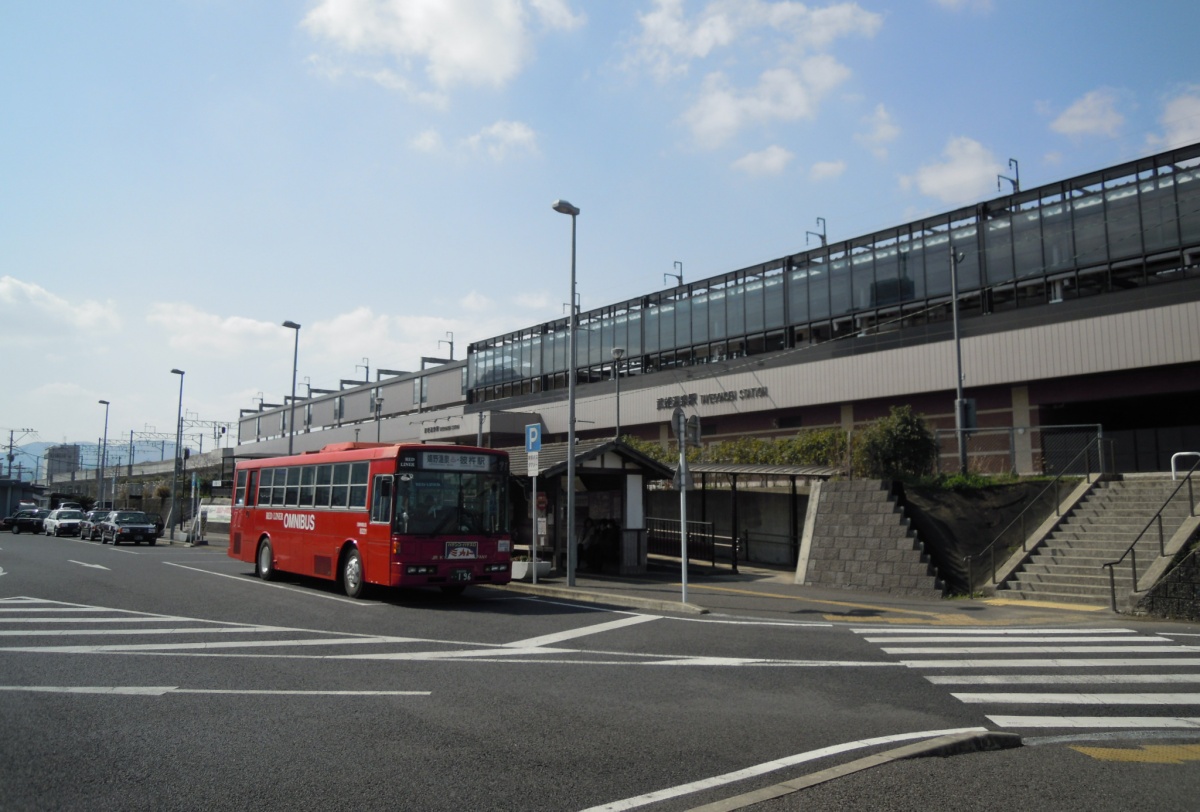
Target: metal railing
[(662, 538), (772, 549), (1095, 448), (1155, 521)]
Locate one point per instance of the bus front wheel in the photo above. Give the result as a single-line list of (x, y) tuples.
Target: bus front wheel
[(352, 574), (264, 565)]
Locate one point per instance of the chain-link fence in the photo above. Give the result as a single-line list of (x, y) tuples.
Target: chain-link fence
[(1024, 450)]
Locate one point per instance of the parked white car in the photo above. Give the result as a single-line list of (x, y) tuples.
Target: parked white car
[(62, 522)]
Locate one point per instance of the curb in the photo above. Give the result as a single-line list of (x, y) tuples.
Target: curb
[(612, 599), (950, 745)]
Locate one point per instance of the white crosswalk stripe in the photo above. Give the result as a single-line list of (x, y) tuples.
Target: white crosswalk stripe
[(41, 626), (1117, 669)]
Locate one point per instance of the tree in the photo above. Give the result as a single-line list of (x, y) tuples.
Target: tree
[(895, 447)]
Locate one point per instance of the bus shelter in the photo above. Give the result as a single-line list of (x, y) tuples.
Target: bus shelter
[(611, 481)]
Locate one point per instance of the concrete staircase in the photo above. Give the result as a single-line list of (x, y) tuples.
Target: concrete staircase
[(861, 538), (1068, 565)]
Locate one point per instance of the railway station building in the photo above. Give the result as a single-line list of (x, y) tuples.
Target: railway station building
[(1078, 306)]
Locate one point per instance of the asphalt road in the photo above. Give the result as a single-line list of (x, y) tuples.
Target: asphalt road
[(170, 678)]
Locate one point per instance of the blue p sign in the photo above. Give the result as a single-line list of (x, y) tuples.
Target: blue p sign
[(533, 437)]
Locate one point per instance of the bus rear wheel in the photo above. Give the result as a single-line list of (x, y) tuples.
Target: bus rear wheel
[(264, 565), (352, 574)]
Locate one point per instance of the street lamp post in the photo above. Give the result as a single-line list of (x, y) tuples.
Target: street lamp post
[(563, 207), (618, 353), (178, 455), (103, 454), (378, 412), (291, 325)]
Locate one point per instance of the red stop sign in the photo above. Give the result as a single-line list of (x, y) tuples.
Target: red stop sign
[(541, 501)]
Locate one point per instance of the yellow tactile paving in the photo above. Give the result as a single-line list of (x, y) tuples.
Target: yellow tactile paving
[(1146, 754)]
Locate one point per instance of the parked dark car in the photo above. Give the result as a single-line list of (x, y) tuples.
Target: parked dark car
[(89, 528), (63, 522), (28, 520), (157, 519), (127, 525)]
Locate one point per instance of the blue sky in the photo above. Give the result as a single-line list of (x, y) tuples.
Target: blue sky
[(181, 176)]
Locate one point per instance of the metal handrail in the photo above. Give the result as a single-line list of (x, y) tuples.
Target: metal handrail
[(1155, 520), (1020, 517)]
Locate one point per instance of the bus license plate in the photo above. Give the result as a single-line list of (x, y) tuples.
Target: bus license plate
[(460, 575)]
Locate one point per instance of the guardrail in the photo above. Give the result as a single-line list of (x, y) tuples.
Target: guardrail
[(1155, 520), (1095, 448)]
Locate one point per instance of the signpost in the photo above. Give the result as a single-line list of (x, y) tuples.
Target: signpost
[(687, 433), (533, 444)]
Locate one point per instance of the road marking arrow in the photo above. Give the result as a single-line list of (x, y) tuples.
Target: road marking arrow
[(93, 566)]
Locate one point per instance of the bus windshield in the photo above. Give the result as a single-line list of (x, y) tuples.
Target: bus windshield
[(450, 503)]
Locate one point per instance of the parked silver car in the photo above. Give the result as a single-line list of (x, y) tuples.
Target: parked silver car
[(62, 522)]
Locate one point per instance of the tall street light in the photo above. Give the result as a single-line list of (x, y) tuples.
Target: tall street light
[(103, 455), (178, 455), (378, 404), (618, 353), (291, 325), (563, 207)]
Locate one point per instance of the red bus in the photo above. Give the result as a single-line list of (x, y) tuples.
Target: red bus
[(373, 513)]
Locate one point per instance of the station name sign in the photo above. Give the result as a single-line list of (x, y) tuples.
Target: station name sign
[(712, 399), (441, 429)]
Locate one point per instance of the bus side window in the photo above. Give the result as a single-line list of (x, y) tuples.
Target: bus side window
[(240, 489), (252, 489), (381, 499)]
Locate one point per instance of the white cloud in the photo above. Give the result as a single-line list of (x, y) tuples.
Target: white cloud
[(26, 305), (967, 172), (826, 170), (475, 302), (1093, 114), (1180, 121), (427, 141), (770, 161), (504, 138), (781, 95), (455, 42), (959, 5), (883, 131), (670, 41)]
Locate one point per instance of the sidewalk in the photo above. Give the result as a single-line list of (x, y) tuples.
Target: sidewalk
[(766, 593)]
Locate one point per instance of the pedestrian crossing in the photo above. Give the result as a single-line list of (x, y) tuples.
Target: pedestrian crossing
[(1028, 679), (45, 626)]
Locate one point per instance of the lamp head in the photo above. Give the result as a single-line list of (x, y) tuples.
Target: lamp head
[(563, 207), (291, 325), (177, 372)]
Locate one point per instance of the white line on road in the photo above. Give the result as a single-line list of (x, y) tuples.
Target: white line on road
[(207, 645), (84, 564), (1061, 679), (572, 634), (1078, 699), (770, 766), (96, 632), (119, 690), (258, 582), (1097, 721)]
